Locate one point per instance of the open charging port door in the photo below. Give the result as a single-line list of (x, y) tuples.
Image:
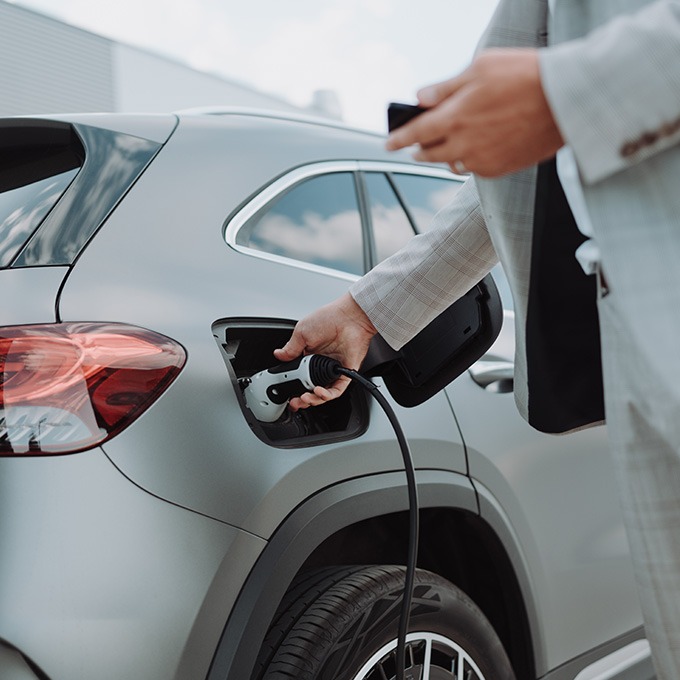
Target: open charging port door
[(443, 350)]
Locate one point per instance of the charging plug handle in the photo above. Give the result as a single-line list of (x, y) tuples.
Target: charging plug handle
[(323, 370), (268, 392)]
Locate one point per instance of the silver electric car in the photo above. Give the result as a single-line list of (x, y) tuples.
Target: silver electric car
[(152, 528)]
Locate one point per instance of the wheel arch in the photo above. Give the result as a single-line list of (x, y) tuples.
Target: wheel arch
[(362, 517)]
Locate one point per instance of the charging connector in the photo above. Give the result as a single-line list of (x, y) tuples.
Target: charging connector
[(268, 392)]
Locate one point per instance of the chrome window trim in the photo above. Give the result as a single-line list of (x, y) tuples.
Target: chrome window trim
[(290, 179)]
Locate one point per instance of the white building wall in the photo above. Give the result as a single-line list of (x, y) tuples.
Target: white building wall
[(147, 82), (47, 66)]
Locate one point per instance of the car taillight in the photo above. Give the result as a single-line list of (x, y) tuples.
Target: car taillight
[(69, 386)]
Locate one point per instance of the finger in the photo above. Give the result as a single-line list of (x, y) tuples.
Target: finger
[(296, 404), (435, 94), (332, 391), (427, 129), (320, 395), (305, 401), (442, 153)]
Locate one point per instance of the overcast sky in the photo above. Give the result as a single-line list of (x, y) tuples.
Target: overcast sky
[(368, 51)]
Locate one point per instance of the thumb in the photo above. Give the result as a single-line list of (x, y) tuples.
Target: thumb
[(292, 349)]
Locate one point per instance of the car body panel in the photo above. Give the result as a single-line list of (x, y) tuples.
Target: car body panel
[(30, 295), (127, 562)]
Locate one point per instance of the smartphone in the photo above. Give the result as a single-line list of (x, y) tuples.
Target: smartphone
[(400, 114)]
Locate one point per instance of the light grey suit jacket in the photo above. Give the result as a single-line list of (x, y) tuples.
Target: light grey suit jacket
[(611, 73)]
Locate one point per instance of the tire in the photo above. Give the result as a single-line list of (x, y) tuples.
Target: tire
[(341, 624)]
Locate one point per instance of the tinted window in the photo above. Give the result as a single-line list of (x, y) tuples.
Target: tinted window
[(425, 196), (114, 161), (36, 166), (317, 221), (391, 226)]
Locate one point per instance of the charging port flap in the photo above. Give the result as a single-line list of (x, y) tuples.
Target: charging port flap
[(443, 350)]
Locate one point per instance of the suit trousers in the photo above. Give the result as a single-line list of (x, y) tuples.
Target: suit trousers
[(643, 422)]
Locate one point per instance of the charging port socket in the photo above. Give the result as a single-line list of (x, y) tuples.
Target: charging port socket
[(247, 346)]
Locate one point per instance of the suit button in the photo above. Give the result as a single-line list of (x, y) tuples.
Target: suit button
[(630, 149), (649, 138), (669, 129)]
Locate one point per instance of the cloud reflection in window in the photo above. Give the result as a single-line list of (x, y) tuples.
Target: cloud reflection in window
[(333, 241), (22, 209), (425, 196), (317, 221)]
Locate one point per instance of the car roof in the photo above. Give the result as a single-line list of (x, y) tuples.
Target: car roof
[(275, 115), (158, 126)]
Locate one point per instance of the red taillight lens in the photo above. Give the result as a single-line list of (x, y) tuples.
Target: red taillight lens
[(67, 387)]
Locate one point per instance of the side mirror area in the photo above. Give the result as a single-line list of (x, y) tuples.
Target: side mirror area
[(443, 350)]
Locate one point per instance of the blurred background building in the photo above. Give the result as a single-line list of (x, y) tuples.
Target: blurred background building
[(48, 66)]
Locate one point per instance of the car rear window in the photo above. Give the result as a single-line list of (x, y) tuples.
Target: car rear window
[(58, 184), (37, 164)]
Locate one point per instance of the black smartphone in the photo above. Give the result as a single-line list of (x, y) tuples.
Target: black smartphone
[(400, 114)]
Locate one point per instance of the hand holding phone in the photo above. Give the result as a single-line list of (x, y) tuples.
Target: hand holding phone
[(400, 114)]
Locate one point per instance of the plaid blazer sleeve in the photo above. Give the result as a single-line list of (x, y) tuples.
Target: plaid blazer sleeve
[(616, 92), (405, 292)]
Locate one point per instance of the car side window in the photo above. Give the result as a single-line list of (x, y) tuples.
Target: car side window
[(316, 221), (425, 196), (392, 228)]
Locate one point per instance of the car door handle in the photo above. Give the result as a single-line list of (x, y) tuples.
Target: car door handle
[(494, 375)]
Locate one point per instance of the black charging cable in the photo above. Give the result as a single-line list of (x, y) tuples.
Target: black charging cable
[(414, 523)]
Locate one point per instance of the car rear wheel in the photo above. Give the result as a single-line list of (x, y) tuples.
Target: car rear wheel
[(341, 624)]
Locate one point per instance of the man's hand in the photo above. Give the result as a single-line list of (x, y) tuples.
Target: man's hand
[(493, 118), (340, 330)]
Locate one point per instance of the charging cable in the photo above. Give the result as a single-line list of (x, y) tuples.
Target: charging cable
[(413, 514), (267, 394)]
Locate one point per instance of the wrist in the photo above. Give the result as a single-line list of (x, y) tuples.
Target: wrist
[(356, 314)]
